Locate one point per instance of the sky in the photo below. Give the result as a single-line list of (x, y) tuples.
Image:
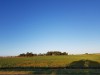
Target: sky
[(39, 26)]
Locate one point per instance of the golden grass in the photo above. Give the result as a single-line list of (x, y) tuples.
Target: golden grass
[(15, 72)]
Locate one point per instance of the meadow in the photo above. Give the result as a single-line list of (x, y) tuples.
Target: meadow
[(51, 64)]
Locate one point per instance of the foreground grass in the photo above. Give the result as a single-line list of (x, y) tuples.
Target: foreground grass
[(54, 72), (15, 72)]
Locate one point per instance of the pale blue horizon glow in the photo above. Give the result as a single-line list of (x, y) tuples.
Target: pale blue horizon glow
[(39, 26)]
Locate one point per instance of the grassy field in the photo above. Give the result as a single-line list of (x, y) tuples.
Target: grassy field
[(28, 63)]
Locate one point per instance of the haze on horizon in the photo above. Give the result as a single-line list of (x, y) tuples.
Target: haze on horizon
[(39, 26)]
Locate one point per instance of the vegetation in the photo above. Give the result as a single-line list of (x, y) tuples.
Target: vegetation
[(15, 72), (56, 53), (45, 64), (53, 72), (50, 53), (45, 61), (28, 54)]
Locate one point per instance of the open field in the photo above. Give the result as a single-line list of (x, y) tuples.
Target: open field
[(45, 61), (51, 65)]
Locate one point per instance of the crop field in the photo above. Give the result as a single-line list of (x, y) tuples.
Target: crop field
[(51, 65)]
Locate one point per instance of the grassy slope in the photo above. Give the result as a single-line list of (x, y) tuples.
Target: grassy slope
[(45, 61)]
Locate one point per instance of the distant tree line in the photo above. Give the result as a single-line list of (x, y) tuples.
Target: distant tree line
[(56, 53), (28, 54), (49, 53)]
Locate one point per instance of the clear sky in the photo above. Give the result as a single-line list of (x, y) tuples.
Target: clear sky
[(39, 26)]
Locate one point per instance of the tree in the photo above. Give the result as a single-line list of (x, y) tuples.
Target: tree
[(28, 54), (22, 55), (64, 53)]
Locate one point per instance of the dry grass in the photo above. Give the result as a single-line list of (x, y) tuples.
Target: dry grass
[(15, 72)]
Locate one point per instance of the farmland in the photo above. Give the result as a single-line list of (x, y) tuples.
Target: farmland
[(41, 64)]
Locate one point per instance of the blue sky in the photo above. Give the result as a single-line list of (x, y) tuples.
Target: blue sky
[(39, 26)]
